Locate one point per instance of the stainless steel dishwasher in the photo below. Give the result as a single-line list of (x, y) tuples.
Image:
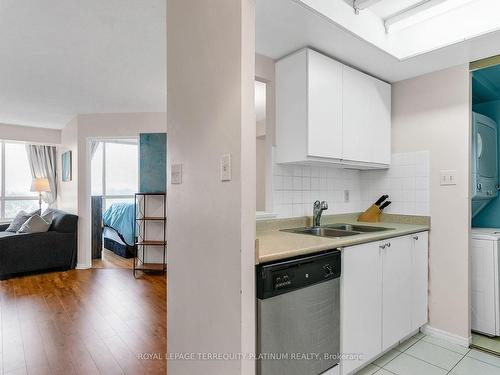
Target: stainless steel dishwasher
[(298, 315)]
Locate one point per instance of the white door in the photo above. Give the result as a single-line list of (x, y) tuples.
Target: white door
[(419, 279), (396, 290), (483, 298), (324, 106), (366, 113), (361, 308)]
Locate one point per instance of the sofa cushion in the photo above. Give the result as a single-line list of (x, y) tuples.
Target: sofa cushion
[(20, 219), (36, 224), (7, 234), (62, 222)]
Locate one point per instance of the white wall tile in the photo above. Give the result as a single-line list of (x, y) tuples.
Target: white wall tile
[(295, 188)]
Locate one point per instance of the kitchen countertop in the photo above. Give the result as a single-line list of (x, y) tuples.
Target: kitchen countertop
[(273, 244)]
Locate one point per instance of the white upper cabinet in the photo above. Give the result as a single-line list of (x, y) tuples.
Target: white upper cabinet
[(325, 106), (308, 108), (327, 112), (366, 118)]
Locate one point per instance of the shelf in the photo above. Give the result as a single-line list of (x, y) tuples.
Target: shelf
[(155, 267), (151, 243), (151, 218)]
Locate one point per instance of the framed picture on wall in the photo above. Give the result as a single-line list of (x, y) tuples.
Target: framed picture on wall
[(66, 166)]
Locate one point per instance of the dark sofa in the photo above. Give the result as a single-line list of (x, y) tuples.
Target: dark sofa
[(38, 252)]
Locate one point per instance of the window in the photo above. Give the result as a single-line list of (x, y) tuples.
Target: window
[(115, 171), (15, 181)]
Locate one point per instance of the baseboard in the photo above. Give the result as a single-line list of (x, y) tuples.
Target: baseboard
[(450, 337), (82, 266)]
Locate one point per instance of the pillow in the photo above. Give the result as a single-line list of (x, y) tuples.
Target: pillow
[(20, 219), (36, 224)]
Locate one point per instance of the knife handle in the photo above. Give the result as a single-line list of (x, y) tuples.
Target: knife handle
[(385, 205)]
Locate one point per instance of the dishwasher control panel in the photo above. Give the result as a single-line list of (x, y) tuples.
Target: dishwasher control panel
[(284, 276)]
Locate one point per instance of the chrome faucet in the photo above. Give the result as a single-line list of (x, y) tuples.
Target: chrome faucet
[(319, 207)]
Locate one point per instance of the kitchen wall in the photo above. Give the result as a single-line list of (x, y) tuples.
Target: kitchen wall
[(432, 112), (30, 134), (489, 216), (295, 188), (211, 231)]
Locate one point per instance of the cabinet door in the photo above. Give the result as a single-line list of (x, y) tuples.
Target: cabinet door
[(361, 307), (419, 280), (324, 106), (366, 118), (396, 290), (483, 301)]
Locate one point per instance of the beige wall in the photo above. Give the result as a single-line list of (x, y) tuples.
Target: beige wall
[(67, 198), (431, 112), (211, 231), (30, 134), (76, 136), (264, 72)]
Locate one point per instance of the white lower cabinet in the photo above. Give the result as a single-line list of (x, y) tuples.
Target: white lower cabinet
[(383, 296), (396, 290), (420, 277), (361, 305)]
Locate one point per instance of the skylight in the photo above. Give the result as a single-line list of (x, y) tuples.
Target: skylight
[(407, 28)]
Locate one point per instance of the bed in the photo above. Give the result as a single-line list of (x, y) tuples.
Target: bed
[(118, 232)]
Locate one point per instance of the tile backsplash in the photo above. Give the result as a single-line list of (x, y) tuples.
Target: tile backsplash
[(295, 188), (406, 182)]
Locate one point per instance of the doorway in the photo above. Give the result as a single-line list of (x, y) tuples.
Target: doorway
[(114, 181), (485, 207)]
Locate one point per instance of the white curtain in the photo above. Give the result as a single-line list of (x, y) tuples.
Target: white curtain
[(93, 148), (42, 161)]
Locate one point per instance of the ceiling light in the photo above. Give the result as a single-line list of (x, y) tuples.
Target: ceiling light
[(420, 12)]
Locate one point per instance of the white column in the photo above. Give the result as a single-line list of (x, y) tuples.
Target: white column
[(211, 228)]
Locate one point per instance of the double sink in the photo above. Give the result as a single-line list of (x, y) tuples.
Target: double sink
[(337, 230)]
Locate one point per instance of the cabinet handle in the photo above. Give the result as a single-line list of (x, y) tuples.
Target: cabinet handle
[(382, 246), (415, 238), (388, 244)]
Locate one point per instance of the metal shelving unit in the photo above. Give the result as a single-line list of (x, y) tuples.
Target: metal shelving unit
[(140, 234)]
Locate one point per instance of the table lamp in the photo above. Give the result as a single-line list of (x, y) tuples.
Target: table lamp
[(40, 185)]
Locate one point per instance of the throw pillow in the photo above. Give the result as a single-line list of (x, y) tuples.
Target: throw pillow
[(20, 219), (35, 224)]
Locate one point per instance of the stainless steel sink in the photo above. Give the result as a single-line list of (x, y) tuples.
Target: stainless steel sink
[(321, 231), (356, 228)]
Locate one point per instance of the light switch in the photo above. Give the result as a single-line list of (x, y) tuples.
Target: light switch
[(176, 174), (448, 177), (225, 167)]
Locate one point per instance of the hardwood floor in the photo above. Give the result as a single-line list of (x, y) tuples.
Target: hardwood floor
[(111, 260), (95, 321)]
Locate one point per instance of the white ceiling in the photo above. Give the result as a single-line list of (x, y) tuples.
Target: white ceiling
[(59, 58), (284, 26)]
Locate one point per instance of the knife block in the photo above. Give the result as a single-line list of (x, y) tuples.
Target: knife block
[(371, 215)]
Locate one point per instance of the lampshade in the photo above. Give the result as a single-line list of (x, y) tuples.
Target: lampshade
[(40, 185)]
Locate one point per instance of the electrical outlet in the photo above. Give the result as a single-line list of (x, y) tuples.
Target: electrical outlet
[(225, 167), (346, 196), (448, 177), (176, 174)]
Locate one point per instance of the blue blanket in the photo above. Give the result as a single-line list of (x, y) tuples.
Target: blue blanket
[(121, 217)]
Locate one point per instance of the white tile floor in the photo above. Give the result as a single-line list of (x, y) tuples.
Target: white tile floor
[(426, 355)]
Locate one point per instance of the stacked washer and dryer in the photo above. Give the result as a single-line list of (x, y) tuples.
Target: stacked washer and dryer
[(485, 257)]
